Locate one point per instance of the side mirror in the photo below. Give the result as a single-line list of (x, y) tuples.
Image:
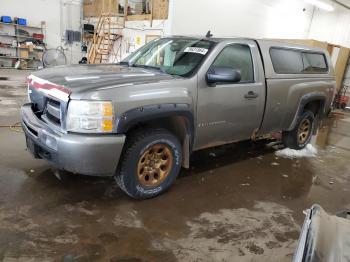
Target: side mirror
[(219, 74)]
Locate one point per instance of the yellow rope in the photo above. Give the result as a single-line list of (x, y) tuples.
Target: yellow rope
[(16, 127)]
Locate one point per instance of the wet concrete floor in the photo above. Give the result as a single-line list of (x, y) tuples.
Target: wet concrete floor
[(236, 203)]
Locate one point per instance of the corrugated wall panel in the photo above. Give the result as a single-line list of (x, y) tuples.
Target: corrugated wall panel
[(333, 27)]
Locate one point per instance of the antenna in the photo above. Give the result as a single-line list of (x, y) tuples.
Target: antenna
[(209, 34)]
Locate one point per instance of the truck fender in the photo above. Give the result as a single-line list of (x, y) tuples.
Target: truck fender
[(314, 96), (132, 117)]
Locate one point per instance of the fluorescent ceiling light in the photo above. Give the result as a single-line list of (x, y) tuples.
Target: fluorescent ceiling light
[(322, 5)]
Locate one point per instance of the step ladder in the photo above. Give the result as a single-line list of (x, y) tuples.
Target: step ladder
[(106, 43)]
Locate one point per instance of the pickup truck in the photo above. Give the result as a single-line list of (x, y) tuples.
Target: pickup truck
[(140, 120)]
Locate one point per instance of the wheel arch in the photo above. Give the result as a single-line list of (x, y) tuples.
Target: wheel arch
[(314, 102), (177, 118)]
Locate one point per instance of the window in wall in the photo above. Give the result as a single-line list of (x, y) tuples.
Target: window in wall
[(237, 57), (139, 7), (121, 7), (146, 9)]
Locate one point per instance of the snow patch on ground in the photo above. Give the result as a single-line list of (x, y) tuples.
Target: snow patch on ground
[(308, 151)]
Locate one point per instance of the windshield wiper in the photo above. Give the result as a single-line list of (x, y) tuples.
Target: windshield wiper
[(149, 67), (126, 63)]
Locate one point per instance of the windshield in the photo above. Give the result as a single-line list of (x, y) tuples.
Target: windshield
[(175, 56)]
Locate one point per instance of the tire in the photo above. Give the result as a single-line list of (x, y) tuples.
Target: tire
[(298, 138), (343, 106), (150, 163)]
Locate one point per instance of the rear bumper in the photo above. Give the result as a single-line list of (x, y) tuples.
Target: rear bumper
[(95, 155)]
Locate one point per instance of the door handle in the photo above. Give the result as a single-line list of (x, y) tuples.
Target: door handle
[(251, 95)]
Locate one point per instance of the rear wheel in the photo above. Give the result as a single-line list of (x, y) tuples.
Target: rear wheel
[(301, 135), (150, 163)]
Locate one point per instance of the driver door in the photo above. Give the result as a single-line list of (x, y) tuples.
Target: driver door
[(228, 112)]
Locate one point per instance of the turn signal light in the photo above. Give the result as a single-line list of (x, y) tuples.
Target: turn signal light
[(107, 125)]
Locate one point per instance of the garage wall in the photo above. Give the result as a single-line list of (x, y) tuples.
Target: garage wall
[(59, 15), (254, 18), (36, 11), (136, 30), (332, 27), (261, 19), (141, 29)]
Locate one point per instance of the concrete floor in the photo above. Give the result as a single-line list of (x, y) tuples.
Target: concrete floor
[(236, 203)]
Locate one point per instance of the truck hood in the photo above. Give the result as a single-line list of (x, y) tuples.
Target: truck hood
[(81, 78)]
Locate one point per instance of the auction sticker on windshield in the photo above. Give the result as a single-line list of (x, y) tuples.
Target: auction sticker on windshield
[(196, 50)]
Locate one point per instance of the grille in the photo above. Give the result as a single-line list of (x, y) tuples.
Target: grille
[(52, 112)]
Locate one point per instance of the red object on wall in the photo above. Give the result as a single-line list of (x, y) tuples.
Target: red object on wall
[(38, 36)]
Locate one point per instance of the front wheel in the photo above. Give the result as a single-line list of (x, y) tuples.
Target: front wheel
[(150, 163), (301, 135)]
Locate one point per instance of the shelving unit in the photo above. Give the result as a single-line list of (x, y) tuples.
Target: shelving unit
[(11, 40), (26, 26)]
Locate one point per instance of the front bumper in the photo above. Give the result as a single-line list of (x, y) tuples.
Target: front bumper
[(95, 155)]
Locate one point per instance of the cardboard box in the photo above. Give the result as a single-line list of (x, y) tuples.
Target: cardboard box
[(24, 54), (23, 65), (39, 55)]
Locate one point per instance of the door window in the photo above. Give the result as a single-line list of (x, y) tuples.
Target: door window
[(239, 57)]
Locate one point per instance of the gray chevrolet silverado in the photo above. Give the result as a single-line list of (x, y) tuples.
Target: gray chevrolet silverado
[(141, 119)]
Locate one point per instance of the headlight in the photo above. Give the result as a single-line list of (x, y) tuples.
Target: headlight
[(90, 116)]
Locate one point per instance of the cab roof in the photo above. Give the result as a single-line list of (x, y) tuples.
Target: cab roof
[(261, 41)]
